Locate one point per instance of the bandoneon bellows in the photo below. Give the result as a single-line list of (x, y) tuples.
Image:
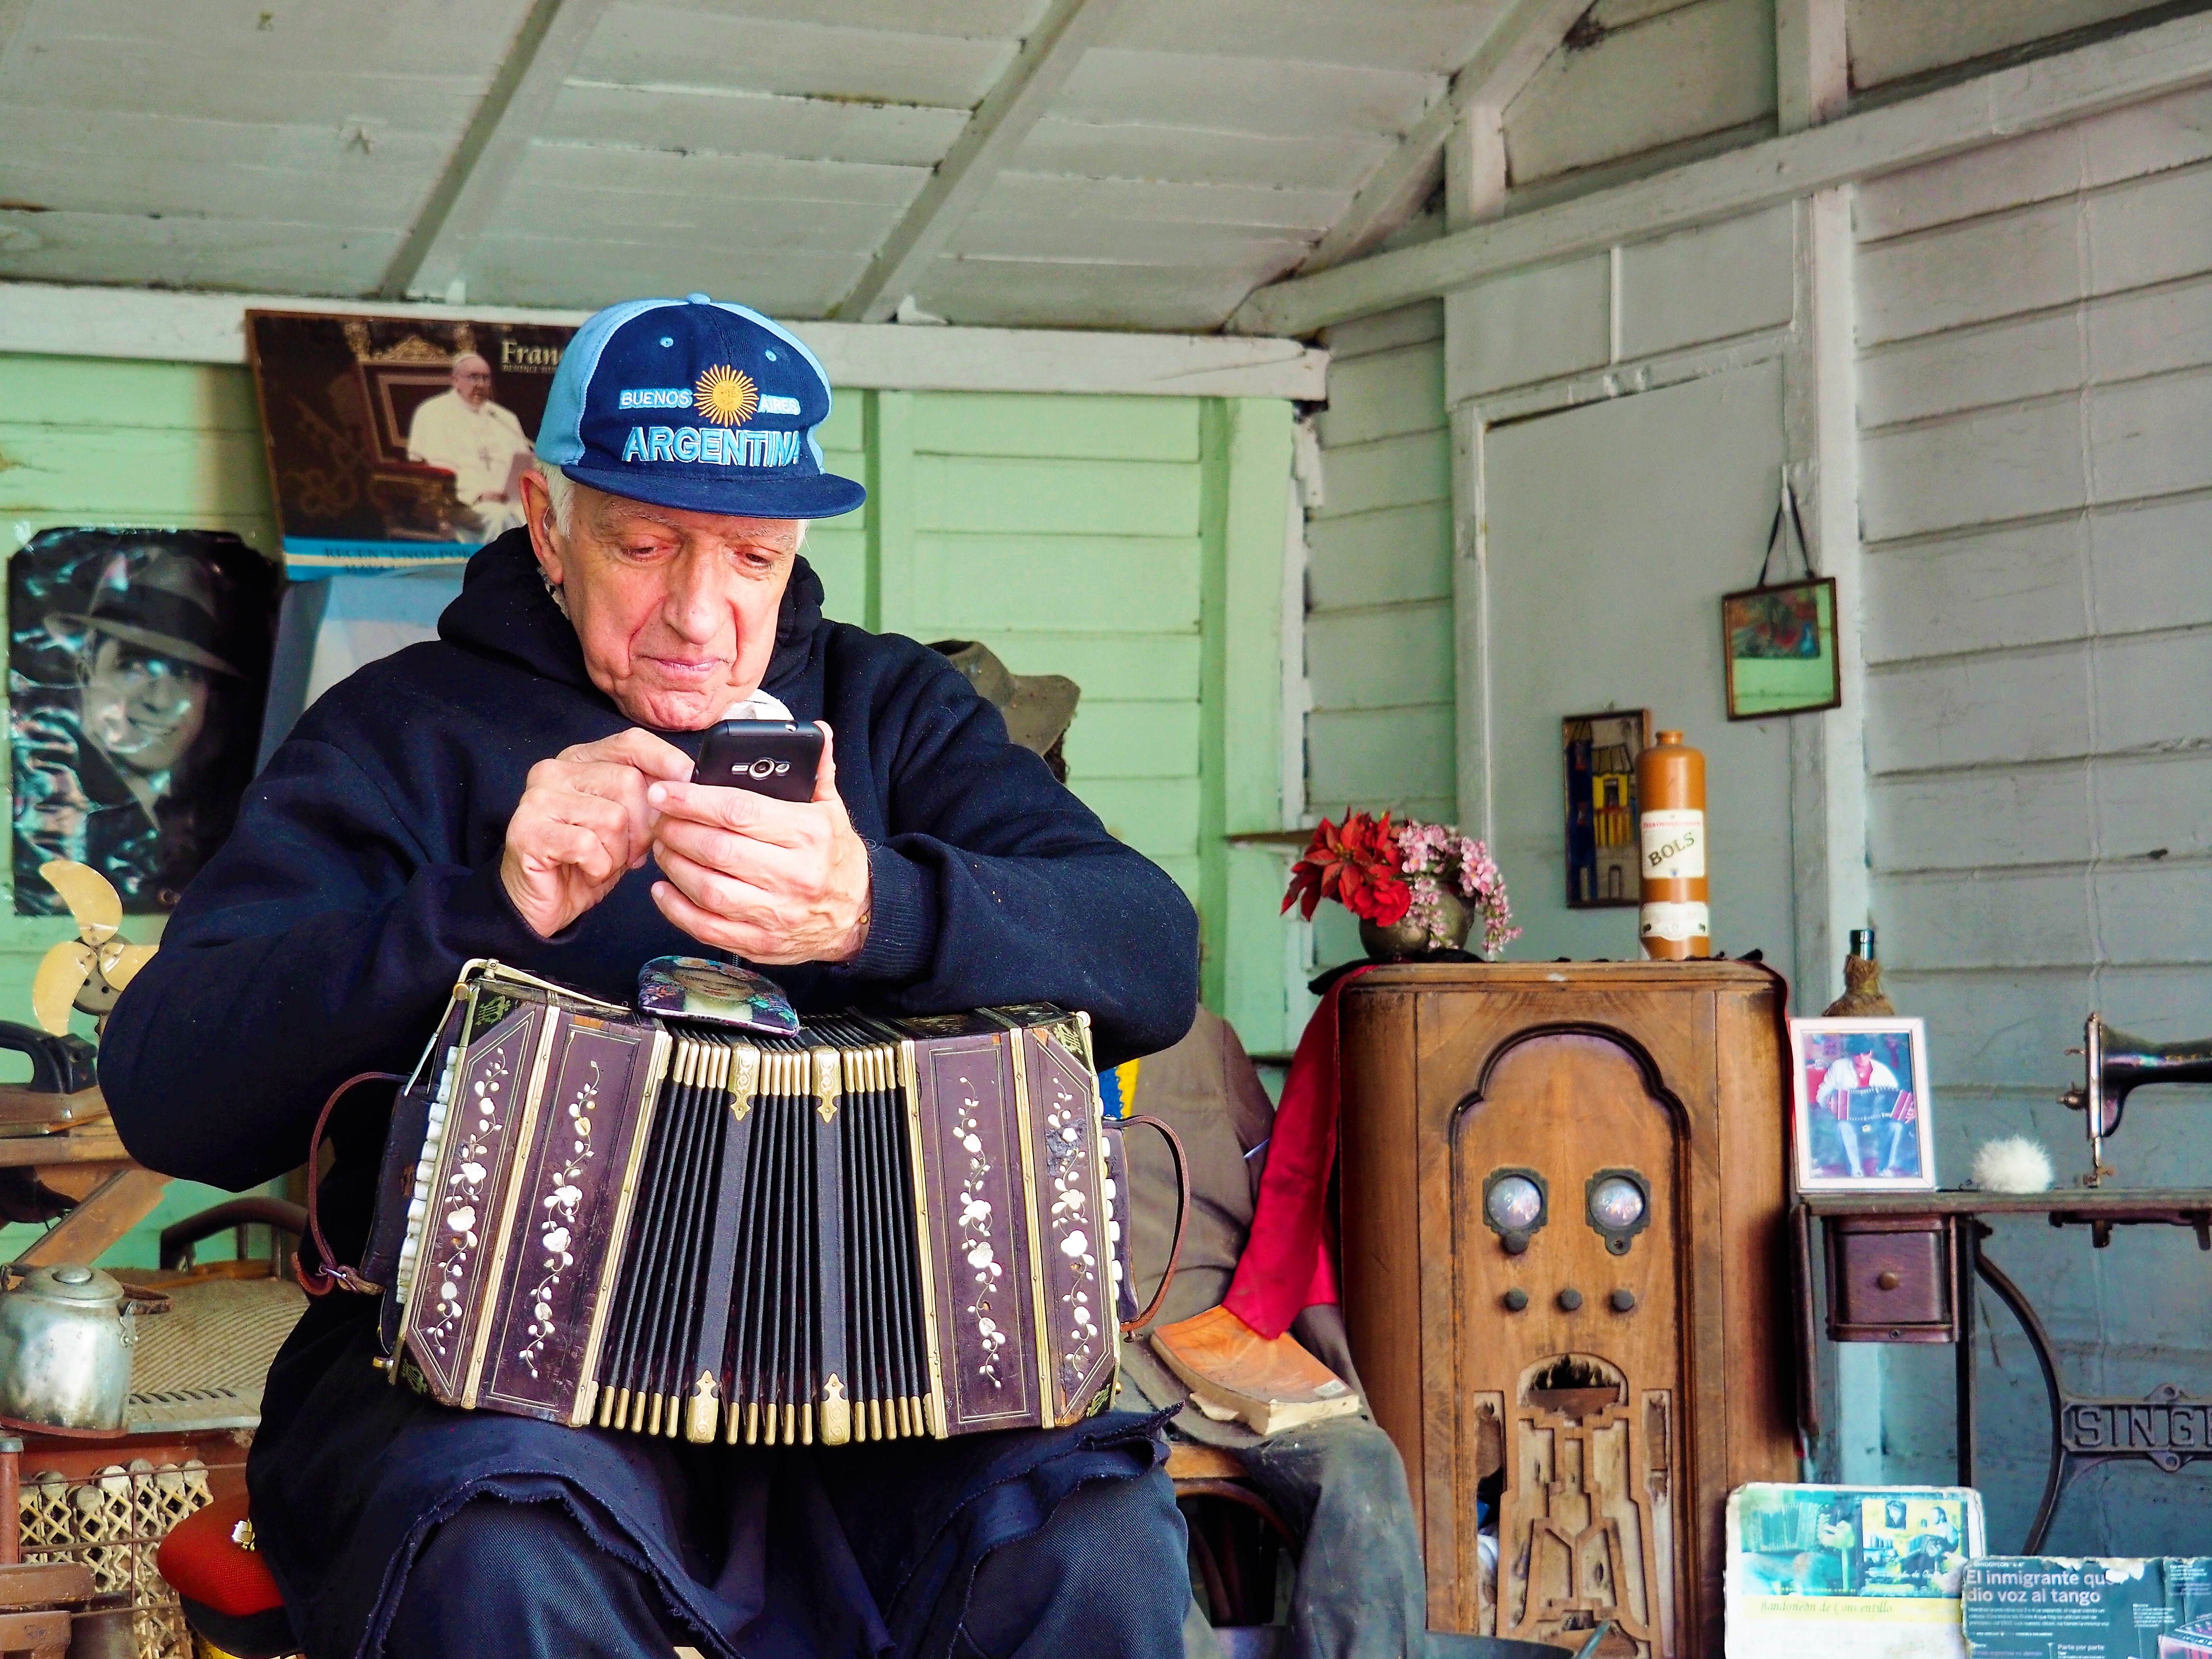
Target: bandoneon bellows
[(872, 1229)]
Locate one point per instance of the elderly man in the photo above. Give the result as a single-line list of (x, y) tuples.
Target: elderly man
[(475, 440), (520, 789)]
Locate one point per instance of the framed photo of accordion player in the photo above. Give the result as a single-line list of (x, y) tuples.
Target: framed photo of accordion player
[(1863, 1117)]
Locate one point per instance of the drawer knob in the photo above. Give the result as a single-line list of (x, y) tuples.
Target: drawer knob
[(1622, 1300), (1516, 1299), (1570, 1298), (1887, 1280)]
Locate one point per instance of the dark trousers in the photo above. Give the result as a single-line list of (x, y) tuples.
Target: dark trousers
[(1361, 1591), (1102, 1577)]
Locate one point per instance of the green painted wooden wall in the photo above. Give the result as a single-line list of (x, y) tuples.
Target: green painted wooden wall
[(1132, 544), (100, 442), (1378, 586)]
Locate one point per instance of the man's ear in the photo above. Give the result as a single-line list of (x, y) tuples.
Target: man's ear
[(545, 539)]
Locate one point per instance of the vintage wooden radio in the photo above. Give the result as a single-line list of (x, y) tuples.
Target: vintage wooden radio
[(1563, 1199)]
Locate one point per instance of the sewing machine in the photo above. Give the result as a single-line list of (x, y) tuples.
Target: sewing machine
[(2113, 1065)]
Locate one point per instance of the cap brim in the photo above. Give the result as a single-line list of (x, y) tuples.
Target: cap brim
[(823, 495)]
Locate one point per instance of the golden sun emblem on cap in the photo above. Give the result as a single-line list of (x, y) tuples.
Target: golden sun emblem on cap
[(726, 396)]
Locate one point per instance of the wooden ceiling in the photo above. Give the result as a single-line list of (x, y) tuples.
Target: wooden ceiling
[(1122, 163)]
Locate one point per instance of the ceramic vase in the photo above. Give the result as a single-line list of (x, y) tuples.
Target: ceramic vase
[(1404, 939)]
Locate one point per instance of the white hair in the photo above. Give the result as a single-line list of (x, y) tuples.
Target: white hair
[(561, 492)]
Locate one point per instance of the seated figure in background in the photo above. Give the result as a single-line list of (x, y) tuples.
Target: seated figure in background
[(1361, 1592)]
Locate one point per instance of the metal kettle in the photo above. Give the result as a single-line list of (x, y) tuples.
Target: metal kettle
[(64, 1349)]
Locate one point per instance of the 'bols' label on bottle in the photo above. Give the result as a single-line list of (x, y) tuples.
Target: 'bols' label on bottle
[(1674, 844), (1676, 921)]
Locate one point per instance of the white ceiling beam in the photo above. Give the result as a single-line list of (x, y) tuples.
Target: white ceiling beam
[(999, 123), (12, 16), (1474, 167), (1509, 56), (169, 325), (468, 193), (1812, 63), (2029, 97)]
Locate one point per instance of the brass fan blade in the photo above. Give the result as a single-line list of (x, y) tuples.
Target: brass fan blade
[(120, 961), (89, 896), (62, 974)]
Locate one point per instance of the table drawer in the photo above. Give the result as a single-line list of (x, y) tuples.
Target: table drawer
[(1890, 1279)]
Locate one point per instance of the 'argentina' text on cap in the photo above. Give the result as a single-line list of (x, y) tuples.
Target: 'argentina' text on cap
[(712, 444)]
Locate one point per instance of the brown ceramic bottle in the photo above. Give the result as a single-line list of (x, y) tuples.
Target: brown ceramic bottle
[(1670, 792)]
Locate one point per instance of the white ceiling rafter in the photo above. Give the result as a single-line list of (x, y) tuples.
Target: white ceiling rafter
[(1021, 98), (468, 194), (12, 14), (1509, 56)]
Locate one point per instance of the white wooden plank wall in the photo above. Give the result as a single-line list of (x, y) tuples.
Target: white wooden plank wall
[(2035, 325), (1379, 581), (1641, 76), (1891, 40)]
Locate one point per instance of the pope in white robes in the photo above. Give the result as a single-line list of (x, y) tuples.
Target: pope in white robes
[(463, 431)]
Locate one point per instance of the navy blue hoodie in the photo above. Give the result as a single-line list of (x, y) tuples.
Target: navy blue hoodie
[(324, 937)]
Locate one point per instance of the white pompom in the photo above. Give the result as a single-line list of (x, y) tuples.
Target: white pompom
[(2011, 1163)]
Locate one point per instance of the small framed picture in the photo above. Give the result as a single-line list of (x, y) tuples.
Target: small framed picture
[(1779, 644), (1600, 751), (1863, 1115)]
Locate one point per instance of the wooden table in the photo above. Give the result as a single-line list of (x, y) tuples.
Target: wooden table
[(1901, 1267), (85, 1161)]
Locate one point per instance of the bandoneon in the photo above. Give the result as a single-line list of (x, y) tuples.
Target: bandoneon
[(872, 1229)]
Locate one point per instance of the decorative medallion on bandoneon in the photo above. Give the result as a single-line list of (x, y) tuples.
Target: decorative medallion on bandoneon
[(727, 396)]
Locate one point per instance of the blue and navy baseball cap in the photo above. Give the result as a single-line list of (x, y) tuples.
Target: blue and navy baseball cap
[(694, 403)]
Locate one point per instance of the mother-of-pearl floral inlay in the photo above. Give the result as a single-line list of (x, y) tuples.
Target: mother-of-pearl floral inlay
[(451, 1231), (556, 1217), (985, 1270)]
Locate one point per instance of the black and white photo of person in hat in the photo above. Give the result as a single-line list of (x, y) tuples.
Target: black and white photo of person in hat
[(139, 666), (520, 789)]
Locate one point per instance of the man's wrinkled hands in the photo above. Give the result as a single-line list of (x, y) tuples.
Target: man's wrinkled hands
[(774, 881), (583, 823)]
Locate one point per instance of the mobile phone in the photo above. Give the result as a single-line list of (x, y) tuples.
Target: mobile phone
[(779, 758)]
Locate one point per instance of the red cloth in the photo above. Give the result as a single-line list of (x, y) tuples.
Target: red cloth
[(202, 1563), (1285, 1267)]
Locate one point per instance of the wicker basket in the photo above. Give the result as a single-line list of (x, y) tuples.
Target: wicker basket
[(113, 1520)]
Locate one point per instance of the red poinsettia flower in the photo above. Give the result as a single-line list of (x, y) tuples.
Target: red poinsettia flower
[(1356, 864)]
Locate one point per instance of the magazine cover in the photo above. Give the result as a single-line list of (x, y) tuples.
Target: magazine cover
[(2041, 1607), (1851, 1572)]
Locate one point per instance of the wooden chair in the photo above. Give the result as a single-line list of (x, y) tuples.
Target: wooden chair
[(1237, 1539)]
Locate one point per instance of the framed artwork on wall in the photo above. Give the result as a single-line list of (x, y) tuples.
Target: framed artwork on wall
[(1779, 644), (1598, 753), (1863, 1122), (396, 442), (138, 669)]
